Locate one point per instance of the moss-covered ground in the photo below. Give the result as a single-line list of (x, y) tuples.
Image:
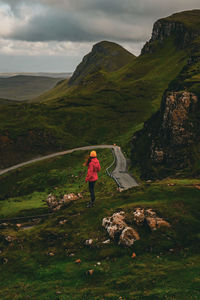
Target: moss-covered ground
[(167, 262)]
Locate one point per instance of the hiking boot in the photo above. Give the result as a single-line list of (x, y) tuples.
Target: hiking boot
[(90, 204)]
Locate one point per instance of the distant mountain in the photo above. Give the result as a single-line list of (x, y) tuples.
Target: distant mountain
[(105, 56), (41, 74), (25, 87)]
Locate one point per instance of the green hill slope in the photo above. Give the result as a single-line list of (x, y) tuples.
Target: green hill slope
[(108, 107)]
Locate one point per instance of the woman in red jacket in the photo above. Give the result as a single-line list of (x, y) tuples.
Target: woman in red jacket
[(93, 168)]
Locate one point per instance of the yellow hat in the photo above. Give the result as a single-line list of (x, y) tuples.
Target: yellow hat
[(93, 154)]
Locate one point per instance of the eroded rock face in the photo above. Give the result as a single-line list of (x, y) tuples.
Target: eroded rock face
[(176, 109), (164, 28), (119, 230), (165, 143), (176, 130)]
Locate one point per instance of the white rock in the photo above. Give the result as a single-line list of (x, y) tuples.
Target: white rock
[(106, 242), (88, 242)]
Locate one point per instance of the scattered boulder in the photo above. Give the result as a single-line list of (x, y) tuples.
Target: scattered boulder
[(139, 216), (106, 242), (50, 253), (51, 201), (153, 221), (56, 204), (88, 242), (162, 223), (119, 230), (4, 260), (63, 222), (128, 236), (9, 239), (69, 197), (58, 292)]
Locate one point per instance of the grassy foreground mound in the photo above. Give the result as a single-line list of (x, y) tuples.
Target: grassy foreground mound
[(41, 260)]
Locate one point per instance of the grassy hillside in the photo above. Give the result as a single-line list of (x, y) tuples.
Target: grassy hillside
[(190, 19), (166, 265), (24, 87), (90, 114), (108, 107)]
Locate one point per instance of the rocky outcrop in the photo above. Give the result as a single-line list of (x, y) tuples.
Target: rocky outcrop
[(125, 235), (175, 111), (176, 27), (169, 135), (56, 204), (105, 56), (153, 221), (176, 128), (119, 230)]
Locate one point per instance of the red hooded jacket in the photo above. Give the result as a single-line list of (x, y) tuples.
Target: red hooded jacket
[(93, 168)]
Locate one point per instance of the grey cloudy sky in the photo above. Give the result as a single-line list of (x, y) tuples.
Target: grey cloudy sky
[(53, 35)]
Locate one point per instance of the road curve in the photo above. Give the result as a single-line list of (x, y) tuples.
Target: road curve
[(120, 173)]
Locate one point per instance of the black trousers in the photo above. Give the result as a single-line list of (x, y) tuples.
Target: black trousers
[(91, 189)]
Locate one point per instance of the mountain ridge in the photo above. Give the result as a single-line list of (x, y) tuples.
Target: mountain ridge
[(106, 56)]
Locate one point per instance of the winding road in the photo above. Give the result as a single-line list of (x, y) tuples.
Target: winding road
[(120, 174)]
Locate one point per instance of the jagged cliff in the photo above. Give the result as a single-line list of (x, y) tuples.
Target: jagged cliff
[(169, 142), (184, 27), (105, 56)]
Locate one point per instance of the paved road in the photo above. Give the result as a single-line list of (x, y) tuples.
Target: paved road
[(120, 174)]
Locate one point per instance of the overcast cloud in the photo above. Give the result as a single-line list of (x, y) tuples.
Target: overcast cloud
[(67, 29)]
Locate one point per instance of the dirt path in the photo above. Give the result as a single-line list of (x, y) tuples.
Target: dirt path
[(120, 173)]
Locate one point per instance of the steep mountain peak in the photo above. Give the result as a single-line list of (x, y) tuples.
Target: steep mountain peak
[(183, 26), (106, 56)]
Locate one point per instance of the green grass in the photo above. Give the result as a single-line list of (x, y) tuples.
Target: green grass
[(167, 261), (23, 87), (155, 273), (23, 190)]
